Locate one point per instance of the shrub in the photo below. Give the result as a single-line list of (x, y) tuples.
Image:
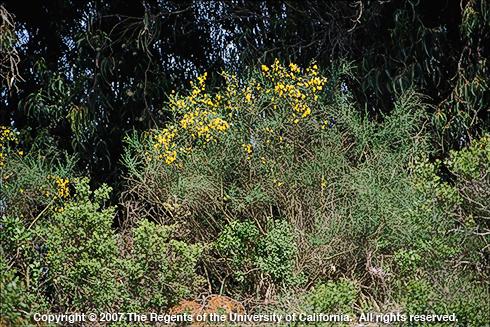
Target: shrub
[(276, 252), (160, 270), (28, 178), (292, 185), (408, 261), (471, 168), (15, 298), (81, 251), (238, 243), (334, 178), (333, 297), (419, 296), (252, 255), (453, 190), (459, 295)]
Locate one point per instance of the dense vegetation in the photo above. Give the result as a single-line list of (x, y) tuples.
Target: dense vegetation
[(335, 158)]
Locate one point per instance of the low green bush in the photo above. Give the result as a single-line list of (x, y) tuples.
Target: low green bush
[(253, 255), (16, 303), (160, 270), (333, 297), (82, 254)]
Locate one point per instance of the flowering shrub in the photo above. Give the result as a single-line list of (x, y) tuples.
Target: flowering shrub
[(293, 87), (297, 190), (288, 93), (8, 140), (199, 118), (70, 256)]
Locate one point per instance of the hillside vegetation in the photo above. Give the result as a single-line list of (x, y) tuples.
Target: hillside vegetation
[(237, 161), (271, 189)]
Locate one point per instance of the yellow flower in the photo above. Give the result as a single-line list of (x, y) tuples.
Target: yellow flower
[(248, 148), (294, 68), (62, 187), (219, 124), (170, 157), (323, 183), (202, 80), (277, 182), (202, 117), (307, 112)]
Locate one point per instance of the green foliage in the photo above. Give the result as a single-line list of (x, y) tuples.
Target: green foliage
[(464, 199), (469, 302), (341, 186), (238, 242), (160, 270), (333, 296), (472, 162), (276, 252), (471, 167), (458, 201), (15, 298), (27, 180), (15, 238), (81, 250), (66, 256), (246, 249), (419, 296), (453, 296), (407, 261)]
